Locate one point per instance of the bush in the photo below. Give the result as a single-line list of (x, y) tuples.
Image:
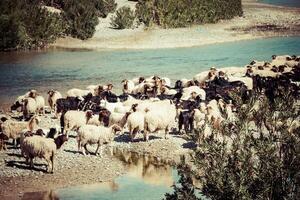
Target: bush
[(124, 18), (81, 18), (254, 161), (26, 25), (182, 13), (104, 7)]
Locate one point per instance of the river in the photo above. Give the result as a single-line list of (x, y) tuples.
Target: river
[(65, 69)]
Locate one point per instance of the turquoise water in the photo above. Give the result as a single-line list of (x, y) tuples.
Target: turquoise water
[(62, 70), (290, 3), (130, 188)]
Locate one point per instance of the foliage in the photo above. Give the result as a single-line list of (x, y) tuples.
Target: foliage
[(182, 13), (185, 190), (258, 158), (80, 15), (124, 18), (27, 25)]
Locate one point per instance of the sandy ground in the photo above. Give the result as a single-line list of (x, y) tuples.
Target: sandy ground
[(73, 168), (259, 21)]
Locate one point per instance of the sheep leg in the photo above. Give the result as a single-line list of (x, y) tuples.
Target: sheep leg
[(166, 132), (79, 146), (146, 135), (98, 149), (31, 162), (52, 162), (85, 149)]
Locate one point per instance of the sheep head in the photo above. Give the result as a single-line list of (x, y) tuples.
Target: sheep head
[(51, 93), (60, 140), (116, 129)]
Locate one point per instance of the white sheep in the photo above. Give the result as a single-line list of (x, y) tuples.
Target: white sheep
[(13, 129), (135, 123), (52, 97), (118, 118), (37, 146), (167, 91), (122, 109), (193, 89), (75, 92), (109, 106), (74, 119), (40, 104), (214, 115), (128, 86), (246, 80), (90, 134), (29, 106), (159, 119), (166, 81)]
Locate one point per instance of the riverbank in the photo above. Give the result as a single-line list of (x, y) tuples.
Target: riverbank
[(259, 21), (73, 168)]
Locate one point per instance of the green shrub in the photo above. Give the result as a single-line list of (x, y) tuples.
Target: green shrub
[(182, 13), (26, 25), (258, 161), (124, 18), (104, 7), (81, 18)]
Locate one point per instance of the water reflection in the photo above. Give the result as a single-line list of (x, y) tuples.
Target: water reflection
[(146, 177), (49, 195), (151, 169)]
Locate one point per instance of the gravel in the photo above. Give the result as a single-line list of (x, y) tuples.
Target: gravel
[(73, 168)]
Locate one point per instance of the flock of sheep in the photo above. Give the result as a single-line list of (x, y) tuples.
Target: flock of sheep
[(147, 105)]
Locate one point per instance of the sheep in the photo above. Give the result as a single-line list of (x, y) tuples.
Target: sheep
[(246, 80), (40, 104), (122, 109), (159, 119), (37, 146), (19, 101), (90, 134), (77, 93), (109, 106), (104, 117), (29, 107), (13, 129), (118, 118), (186, 118), (3, 138), (135, 123), (128, 86), (167, 91), (193, 89), (166, 81), (70, 103), (73, 119), (213, 114), (52, 98)]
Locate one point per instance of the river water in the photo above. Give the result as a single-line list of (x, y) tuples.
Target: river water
[(65, 69), (146, 177), (290, 3)]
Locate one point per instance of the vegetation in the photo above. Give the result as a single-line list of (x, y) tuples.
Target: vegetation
[(185, 190), (26, 24), (182, 13), (124, 18), (255, 157)]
